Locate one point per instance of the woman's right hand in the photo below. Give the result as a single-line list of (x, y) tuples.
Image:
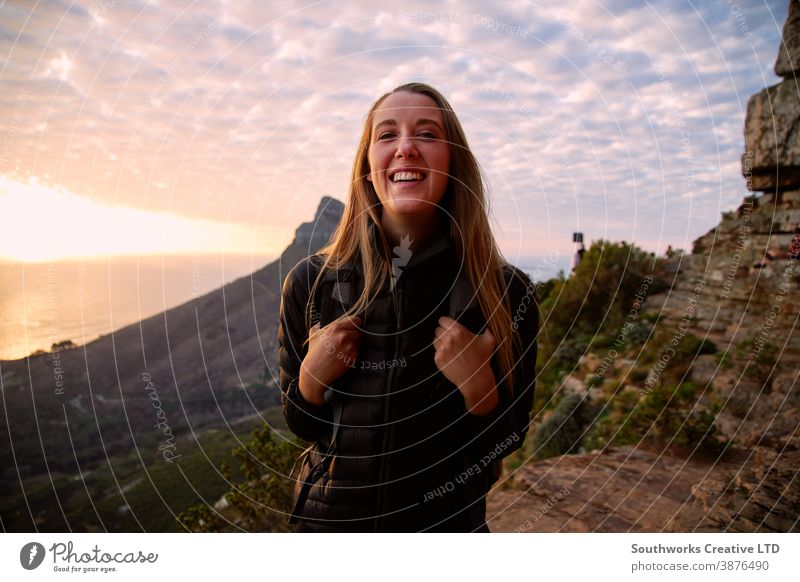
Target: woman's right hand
[(332, 350)]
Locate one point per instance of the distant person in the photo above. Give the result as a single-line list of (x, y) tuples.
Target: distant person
[(396, 340), (669, 253), (577, 257)]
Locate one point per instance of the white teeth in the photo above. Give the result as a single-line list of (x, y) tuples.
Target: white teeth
[(406, 177)]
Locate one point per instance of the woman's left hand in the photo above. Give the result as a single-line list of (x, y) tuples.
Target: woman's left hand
[(464, 358)]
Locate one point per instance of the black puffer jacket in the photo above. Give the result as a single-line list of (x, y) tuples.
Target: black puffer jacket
[(409, 456)]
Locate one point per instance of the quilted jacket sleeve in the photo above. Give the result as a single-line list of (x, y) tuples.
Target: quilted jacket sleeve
[(308, 421), (503, 430)]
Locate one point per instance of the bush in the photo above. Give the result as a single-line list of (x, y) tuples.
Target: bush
[(639, 333), (686, 351), (594, 380), (562, 433), (668, 414), (724, 360), (594, 302), (760, 368), (263, 500), (638, 374)]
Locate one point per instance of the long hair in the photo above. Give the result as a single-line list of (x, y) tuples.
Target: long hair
[(470, 234)]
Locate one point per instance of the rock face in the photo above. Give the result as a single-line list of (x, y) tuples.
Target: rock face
[(771, 161), (772, 135), (310, 236), (788, 63), (740, 289), (634, 490)]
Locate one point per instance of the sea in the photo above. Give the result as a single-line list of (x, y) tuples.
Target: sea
[(42, 304), (79, 300)]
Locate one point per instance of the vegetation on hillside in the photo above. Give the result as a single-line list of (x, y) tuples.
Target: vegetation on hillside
[(261, 501), (603, 376)]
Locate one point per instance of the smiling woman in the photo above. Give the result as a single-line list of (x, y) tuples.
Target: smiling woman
[(411, 447), (410, 185)]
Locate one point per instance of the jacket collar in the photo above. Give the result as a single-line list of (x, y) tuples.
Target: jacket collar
[(439, 244)]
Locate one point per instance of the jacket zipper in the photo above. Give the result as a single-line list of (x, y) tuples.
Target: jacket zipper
[(387, 392)]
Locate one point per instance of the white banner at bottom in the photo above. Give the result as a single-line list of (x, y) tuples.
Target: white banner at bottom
[(401, 557)]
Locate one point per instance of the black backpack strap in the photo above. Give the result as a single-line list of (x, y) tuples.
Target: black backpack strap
[(341, 290), (318, 470), (462, 295)]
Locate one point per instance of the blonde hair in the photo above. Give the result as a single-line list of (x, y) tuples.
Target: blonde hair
[(470, 233)]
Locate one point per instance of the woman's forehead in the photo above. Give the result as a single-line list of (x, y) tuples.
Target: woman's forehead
[(403, 104)]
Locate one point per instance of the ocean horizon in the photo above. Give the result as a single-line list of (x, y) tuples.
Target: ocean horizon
[(83, 299), (80, 300)]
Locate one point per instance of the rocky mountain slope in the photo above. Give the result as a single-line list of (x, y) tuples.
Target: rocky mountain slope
[(738, 289)]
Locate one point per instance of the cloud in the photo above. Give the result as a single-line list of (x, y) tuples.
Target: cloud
[(256, 108)]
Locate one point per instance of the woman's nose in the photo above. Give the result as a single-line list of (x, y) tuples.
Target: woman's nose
[(406, 147)]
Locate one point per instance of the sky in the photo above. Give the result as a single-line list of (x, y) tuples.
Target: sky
[(216, 126)]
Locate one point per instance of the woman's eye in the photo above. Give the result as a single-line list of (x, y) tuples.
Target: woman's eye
[(427, 135), (386, 135)]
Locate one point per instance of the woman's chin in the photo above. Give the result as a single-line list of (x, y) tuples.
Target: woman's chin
[(411, 203)]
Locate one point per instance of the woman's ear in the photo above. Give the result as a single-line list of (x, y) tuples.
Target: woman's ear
[(369, 177)]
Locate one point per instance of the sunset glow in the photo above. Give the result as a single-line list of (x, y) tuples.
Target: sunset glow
[(41, 223)]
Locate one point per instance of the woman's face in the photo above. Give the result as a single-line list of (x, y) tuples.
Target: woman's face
[(409, 156)]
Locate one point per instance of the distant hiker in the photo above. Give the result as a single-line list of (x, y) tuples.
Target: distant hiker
[(577, 257)]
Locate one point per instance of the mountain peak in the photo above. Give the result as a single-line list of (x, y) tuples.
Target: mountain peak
[(311, 236), (329, 207)]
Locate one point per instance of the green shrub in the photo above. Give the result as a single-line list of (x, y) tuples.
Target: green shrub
[(724, 360), (562, 432), (639, 333), (262, 501), (638, 374), (594, 380), (686, 351), (667, 414), (760, 368)]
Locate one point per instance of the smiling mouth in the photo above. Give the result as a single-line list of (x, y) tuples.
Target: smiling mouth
[(407, 177)]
